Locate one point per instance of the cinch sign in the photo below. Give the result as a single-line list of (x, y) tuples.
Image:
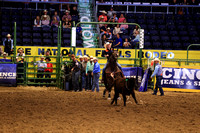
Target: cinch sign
[(182, 78)]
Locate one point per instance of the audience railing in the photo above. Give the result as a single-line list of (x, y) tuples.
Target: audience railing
[(138, 4)]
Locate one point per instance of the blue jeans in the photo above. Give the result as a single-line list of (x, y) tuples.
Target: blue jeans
[(158, 85), (75, 80), (96, 81), (84, 81), (104, 68)]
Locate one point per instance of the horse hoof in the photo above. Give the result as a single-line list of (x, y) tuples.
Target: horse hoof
[(109, 98)]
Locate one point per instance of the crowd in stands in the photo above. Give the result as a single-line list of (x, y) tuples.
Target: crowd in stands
[(112, 32), (46, 21)]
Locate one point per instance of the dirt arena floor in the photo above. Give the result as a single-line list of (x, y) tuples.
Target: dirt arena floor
[(35, 109)]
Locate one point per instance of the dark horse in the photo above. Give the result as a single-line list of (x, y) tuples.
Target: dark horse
[(111, 68), (115, 77)]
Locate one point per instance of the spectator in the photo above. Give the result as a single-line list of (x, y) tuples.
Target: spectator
[(104, 40), (136, 29), (56, 15), (1, 51), (79, 30), (21, 52), (37, 22), (81, 59), (41, 65), (107, 33), (111, 12), (8, 44), (113, 19), (45, 16), (4, 57), (101, 20), (96, 75), (76, 66), (74, 11), (193, 2), (88, 71), (67, 15), (66, 24), (117, 30), (48, 70), (20, 69), (126, 43), (45, 21), (185, 9), (124, 26), (54, 22), (47, 53), (121, 18), (136, 40), (83, 73), (105, 19), (118, 42)]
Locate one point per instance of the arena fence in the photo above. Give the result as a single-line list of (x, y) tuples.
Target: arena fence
[(27, 74)]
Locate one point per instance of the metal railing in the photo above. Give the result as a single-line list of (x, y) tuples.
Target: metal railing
[(42, 2), (136, 4), (188, 50)]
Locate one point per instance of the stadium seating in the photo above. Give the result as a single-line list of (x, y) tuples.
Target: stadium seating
[(27, 34)]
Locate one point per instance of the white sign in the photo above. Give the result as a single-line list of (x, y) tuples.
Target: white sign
[(141, 44), (73, 37)]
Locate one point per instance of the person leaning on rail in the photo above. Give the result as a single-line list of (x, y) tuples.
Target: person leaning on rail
[(41, 65), (158, 73)]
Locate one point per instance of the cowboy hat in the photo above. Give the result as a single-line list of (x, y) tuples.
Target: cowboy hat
[(108, 28), (85, 56), (45, 10), (67, 11), (95, 58), (42, 56), (4, 53), (103, 12), (107, 43), (80, 57), (156, 59), (91, 57), (8, 35)]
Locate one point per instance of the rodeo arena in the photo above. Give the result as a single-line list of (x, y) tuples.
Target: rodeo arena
[(100, 66)]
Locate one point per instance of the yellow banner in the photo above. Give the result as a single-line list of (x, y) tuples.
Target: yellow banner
[(124, 53)]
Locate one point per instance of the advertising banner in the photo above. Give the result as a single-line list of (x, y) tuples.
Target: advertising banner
[(183, 78), (144, 83), (8, 74), (123, 53), (133, 72)]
